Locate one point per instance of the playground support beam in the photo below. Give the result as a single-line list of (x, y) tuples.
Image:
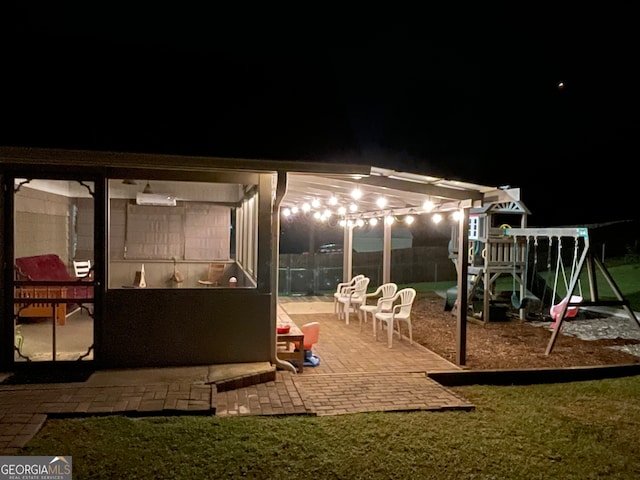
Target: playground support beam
[(548, 232)]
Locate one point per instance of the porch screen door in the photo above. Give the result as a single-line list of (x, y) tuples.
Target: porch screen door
[(53, 308)]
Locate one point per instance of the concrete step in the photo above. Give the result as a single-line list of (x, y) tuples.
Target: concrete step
[(239, 375)]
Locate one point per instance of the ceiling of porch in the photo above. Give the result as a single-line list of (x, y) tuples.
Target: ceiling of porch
[(403, 192)]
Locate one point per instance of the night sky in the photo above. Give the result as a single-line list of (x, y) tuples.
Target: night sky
[(468, 95)]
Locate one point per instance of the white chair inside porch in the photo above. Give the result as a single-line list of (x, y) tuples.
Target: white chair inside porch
[(352, 298), (382, 295), (82, 268), (400, 312)]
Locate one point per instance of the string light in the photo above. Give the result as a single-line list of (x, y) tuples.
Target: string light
[(350, 211)]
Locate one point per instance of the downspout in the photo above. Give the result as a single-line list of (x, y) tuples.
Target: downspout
[(281, 189)]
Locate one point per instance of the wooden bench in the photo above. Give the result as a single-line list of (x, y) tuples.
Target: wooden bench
[(41, 309), (287, 341)]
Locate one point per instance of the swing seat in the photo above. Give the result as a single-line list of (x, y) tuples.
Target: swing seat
[(572, 310)]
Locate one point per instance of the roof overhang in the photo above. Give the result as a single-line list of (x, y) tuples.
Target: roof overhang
[(132, 162), (306, 181)]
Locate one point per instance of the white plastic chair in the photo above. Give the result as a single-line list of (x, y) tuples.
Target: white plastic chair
[(385, 292), (340, 290), (82, 268), (400, 312), (352, 298)]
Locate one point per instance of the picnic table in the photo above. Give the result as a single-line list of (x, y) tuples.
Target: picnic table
[(287, 341)]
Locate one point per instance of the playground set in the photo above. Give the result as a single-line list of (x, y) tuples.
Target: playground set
[(545, 265)]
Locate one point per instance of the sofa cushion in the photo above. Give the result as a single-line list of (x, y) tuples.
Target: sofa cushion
[(43, 267)]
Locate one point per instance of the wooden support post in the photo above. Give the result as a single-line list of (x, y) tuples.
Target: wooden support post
[(463, 270)]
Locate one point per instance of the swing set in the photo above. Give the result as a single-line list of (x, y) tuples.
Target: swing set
[(570, 300), (566, 306), (534, 287)]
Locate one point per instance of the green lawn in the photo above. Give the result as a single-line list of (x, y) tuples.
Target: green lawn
[(579, 430)]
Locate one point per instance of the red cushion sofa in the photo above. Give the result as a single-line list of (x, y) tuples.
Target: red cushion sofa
[(48, 267)]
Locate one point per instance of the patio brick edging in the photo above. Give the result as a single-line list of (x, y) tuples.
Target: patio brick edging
[(532, 376)]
